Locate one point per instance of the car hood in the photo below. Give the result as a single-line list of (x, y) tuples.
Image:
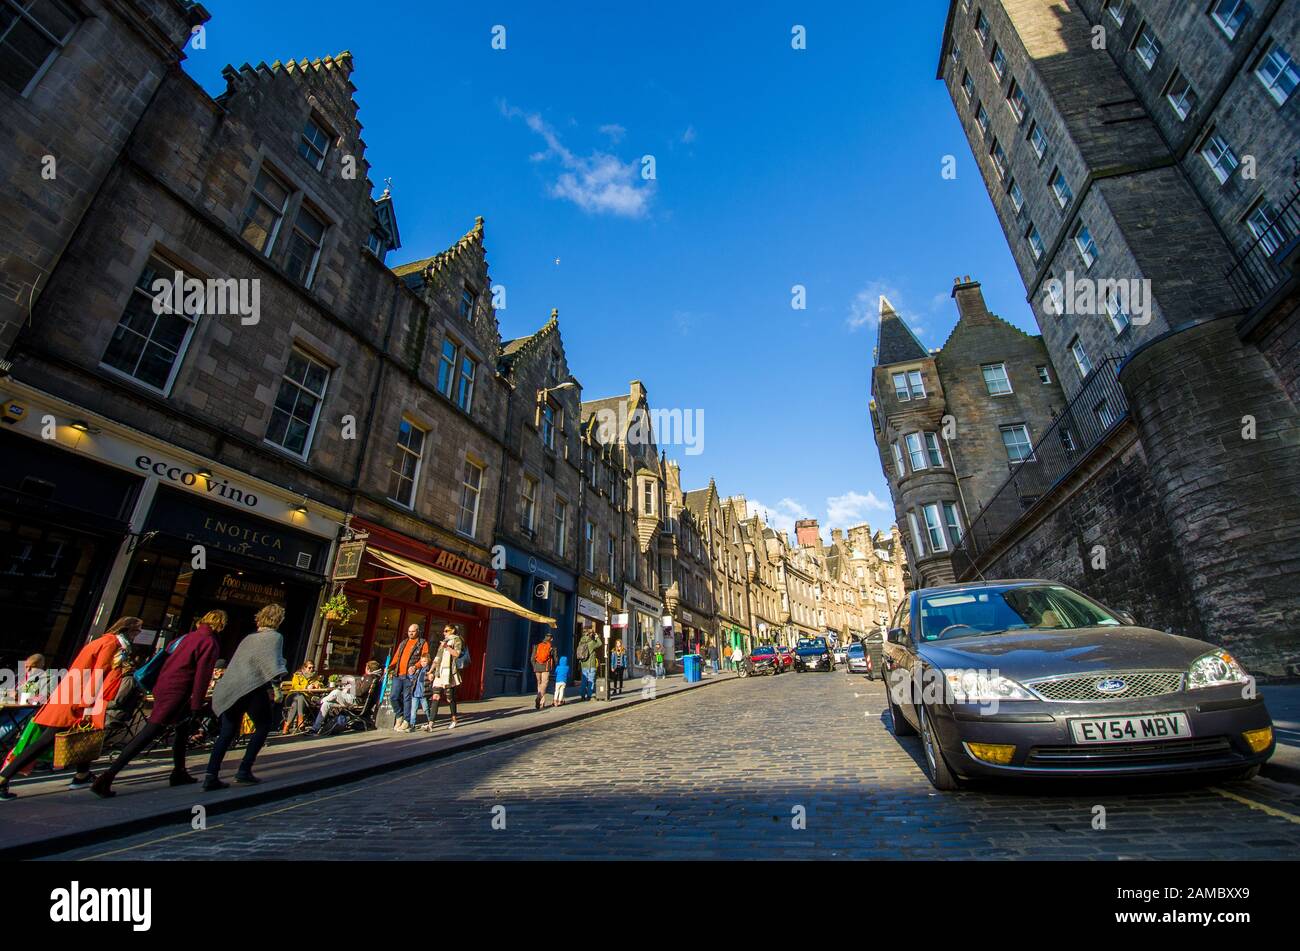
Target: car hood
[(1024, 655)]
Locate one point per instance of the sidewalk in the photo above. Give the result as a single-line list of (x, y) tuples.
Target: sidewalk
[(47, 817)]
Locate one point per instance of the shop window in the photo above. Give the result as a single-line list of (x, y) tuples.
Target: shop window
[(343, 647)]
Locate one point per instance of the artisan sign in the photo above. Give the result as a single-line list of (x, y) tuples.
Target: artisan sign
[(455, 564)]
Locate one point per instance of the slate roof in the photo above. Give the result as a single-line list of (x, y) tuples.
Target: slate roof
[(895, 342)]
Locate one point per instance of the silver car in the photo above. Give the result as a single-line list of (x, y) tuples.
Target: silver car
[(1033, 678)]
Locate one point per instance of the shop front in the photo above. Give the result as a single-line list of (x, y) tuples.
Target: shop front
[(62, 521), (401, 581), (196, 556), (647, 631), (596, 606), (99, 520), (544, 588)]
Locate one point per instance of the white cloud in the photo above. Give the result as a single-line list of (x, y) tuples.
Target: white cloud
[(781, 516), (864, 309), (599, 182), (852, 508), (614, 131)]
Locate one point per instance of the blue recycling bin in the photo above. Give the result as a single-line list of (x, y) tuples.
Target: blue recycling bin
[(691, 667)]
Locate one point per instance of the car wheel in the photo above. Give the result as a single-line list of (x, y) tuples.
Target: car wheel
[(898, 724), (941, 777)]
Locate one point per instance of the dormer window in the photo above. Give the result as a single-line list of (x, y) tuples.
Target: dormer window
[(314, 144)]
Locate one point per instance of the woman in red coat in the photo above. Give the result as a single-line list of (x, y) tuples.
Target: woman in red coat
[(82, 694), (179, 692)]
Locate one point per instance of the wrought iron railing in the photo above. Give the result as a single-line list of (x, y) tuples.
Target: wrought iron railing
[(1262, 267), (1091, 415)]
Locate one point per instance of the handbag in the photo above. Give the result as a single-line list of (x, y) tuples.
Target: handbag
[(78, 745)]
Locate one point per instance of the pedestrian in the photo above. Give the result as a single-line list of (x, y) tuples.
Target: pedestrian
[(406, 657), (589, 660), (617, 665), (659, 659), (543, 664), (78, 696), (34, 680), (446, 673), (561, 680), (247, 688), (420, 694), (726, 654), (178, 694)]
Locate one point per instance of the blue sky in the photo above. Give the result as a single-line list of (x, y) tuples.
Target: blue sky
[(773, 167)]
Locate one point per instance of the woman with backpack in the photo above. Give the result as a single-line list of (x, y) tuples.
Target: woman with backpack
[(543, 664), (179, 692), (447, 666)]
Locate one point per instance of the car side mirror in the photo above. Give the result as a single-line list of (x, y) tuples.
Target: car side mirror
[(1127, 617), (896, 635)]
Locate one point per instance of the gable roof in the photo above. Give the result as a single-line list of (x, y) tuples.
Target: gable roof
[(472, 240)]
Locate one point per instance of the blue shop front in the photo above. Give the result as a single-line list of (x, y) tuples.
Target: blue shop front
[(545, 588)]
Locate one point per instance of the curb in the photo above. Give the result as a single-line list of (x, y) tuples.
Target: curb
[(69, 840), (1284, 765)]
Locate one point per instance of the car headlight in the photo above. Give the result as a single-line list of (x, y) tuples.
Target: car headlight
[(984, 686), (1215, 669)]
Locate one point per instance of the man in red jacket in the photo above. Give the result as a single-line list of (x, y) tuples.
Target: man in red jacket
[(178, 694)]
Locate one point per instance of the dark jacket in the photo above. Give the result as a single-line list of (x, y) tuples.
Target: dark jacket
[(183, 682)]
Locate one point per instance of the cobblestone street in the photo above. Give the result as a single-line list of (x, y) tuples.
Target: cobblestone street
[(664, 781)]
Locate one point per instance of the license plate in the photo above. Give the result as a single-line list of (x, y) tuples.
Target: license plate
[(1138, 729)]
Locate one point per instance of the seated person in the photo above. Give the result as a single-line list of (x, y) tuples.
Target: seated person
[(298, 703), (351, 692)]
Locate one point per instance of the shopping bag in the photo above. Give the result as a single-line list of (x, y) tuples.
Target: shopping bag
[(79, 745)]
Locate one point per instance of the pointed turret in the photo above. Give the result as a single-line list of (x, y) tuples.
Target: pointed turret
[(895, 342)]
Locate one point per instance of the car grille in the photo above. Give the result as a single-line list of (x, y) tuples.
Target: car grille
[(1137, 683), (1122, 754)]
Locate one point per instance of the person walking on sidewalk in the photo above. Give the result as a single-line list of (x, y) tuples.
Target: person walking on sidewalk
[(78, 696), (561, 680), (659, 660), (446, 673), (543, 664), (589, 659), (179, 693), (247, 688), (617, 665), (406, 659)]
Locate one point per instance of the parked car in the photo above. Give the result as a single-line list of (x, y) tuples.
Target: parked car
[(813, 653), (786, 656), (860, 661), (765, 660), (1031, 678), (841, 653)]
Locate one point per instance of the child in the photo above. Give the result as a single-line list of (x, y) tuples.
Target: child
[(561, 679), (420, 695)]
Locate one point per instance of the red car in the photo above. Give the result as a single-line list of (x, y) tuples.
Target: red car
[(786, 656)]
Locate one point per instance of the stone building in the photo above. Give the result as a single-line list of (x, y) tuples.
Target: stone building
[(222, 378), (877, 565), (540, 498), (951, 424), (800, 572), (727, 557), (1145, 184), (762, 562), (68, 106), (688, 569)]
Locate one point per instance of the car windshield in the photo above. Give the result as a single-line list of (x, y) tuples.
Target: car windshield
[(762, 650), (809, 642), (972, 612), (855, 650)]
